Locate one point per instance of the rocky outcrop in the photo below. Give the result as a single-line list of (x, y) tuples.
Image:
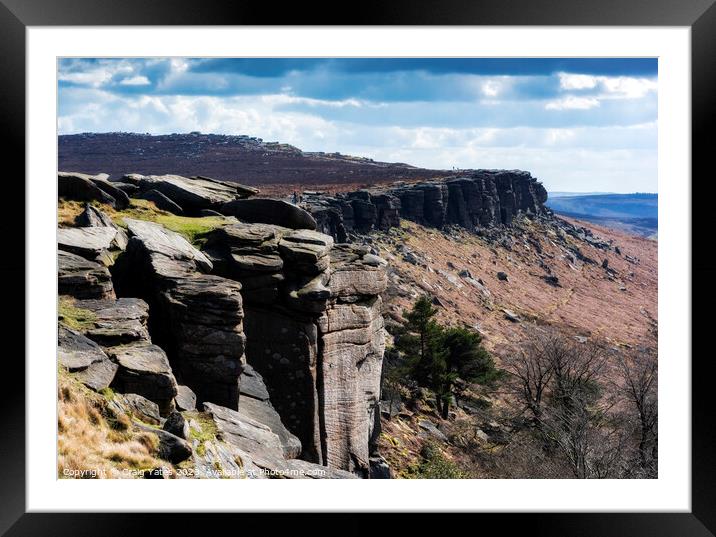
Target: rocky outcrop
[(161, 201), (269, 211), (197, 316), (258, 448), (83, 187), (92, 243), (188, 194), (314, 333), (481, 198), (304, 313), (84, 358), (92, 217), (116, 322), (144, 369), (78, 277)]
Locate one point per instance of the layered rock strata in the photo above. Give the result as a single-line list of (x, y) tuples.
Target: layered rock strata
[(196, 317), (314, 332), (481, 198)]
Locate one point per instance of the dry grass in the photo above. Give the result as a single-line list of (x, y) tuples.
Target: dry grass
[(587, 302), (95, 441)]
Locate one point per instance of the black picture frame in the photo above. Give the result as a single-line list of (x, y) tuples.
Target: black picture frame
[(699, 15)]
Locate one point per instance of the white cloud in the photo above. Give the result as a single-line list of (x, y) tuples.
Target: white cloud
[(94, 78), (490, 88), (624, 87), (571, 81), (138, 80), (572, 103), (98, 74), (606, 158), (630, 88)]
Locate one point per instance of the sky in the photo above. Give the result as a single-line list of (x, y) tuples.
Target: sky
[(579, 125)]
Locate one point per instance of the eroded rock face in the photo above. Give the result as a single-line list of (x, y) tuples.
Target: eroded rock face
[(258, 448), (191, 195), (117, 322), (92, 243), (81, 278), (196, 317), (351, 364), (305, 311), (480, 198), (144, 369), (314, 333), (84, 359)]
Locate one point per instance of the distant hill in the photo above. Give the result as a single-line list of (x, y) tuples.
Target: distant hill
[(634, 213), (241, 158)]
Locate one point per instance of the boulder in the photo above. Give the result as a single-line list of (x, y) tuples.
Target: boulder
[(171, 447), (85, 360), (139, 407), (185, 399), (379, 468), (81, 278), (121, 199), (502, 276), (144, 369), (432, 430), (161, 201), (552, 280), (79, 187), (93, 217), (262, 412), (76, 352), (242, 190), (243, 432), (156, 239), (177, 425), (97, 376), (117, 322), (127, 188), (269, 211), (93, 243), (306, 251), (192, 195), (511, 316)]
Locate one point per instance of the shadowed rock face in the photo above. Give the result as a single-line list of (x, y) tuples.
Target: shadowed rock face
[(314, 332), (269, 211), (196, 317), (481, 198)]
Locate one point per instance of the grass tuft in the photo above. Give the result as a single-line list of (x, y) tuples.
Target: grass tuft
[(76, 318), (192, 229)]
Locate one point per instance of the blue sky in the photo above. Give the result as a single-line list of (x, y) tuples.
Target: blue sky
[(577, 124)]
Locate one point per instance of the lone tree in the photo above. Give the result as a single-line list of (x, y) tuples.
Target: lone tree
[(420, 340), (437, 356)]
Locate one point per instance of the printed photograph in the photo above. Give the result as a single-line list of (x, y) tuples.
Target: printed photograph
[(357, 268)]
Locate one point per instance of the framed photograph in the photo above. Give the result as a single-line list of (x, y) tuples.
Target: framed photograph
[(438, 262)]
